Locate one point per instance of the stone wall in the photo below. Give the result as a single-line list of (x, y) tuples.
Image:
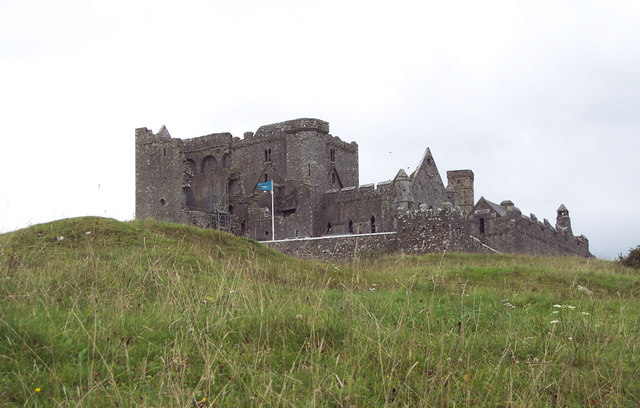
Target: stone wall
[(337, 247), (514, 232)]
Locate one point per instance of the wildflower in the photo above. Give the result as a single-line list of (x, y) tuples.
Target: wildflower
[(557, 306), (232, 291), (299, 317), (203, 399), (555, 312), (585, 290), (210, 299), (37, 390), (571, 307), (87, 233), (554, 321), (60, 238), (585, 313)]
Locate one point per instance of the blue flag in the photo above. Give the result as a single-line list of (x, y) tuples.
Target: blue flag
[(266, 186)]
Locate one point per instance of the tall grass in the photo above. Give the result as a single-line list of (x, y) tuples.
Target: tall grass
[(154, 314)]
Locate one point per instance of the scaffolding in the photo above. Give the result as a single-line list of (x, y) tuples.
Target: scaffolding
[(220, 210)]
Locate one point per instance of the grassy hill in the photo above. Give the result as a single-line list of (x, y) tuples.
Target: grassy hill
[(96, 312)]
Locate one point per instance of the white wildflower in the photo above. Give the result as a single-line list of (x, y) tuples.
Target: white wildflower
[(557, 306), (87, 233), (571, 307), (555, 312), (585, 313), (585, 290), (60, 238), (554, 321)]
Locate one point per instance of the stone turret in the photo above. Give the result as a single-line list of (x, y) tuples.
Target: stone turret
[(403, 197), (563, 222)]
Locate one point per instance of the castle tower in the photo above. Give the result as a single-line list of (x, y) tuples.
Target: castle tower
[(403, 198), (563, 222), (160, 175), (461, 182)]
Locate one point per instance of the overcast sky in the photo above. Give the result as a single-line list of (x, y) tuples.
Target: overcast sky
[(541, 99)]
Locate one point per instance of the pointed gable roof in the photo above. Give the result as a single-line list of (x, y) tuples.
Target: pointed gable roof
[(483, 203), (426, 164), (427, 185), (163, 132), (402, 175)]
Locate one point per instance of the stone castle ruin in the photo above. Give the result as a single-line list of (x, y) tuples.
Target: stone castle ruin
[(320, 210)]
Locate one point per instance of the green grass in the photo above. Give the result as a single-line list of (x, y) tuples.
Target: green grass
[(154, 314)]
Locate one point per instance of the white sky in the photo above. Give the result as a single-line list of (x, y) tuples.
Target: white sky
[(541, 99)]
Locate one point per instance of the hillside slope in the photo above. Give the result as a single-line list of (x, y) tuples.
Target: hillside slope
[(154, 314)]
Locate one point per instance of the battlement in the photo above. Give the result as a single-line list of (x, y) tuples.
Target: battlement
[(207, 142), (293, 126)]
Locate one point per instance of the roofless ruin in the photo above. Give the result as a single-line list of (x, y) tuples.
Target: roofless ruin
[(320, 210)]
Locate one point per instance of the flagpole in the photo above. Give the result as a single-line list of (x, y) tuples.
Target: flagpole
[(273, 223)]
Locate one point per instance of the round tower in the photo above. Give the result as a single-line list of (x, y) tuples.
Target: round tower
[(403, 197)]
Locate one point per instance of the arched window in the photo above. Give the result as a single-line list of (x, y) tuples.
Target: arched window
[(209, 165), (332, 155), (226, 161), (481, 225), (373, 224), (350, 227)]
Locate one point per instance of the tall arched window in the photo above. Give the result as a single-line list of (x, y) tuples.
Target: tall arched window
[(373, 224), (209, 165)]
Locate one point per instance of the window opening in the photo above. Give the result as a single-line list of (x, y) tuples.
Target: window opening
[(266, 177), (209, 164), (309, 169), (332, 155), (269, 154), (333, 178), (350, 227), (482, 225), (373, 224), (328, 228), (164, 151)]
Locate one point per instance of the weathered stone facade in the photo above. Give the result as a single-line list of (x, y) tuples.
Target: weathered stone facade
[(212, 181)]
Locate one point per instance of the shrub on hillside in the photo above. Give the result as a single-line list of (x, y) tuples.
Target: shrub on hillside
[(632, 259)]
